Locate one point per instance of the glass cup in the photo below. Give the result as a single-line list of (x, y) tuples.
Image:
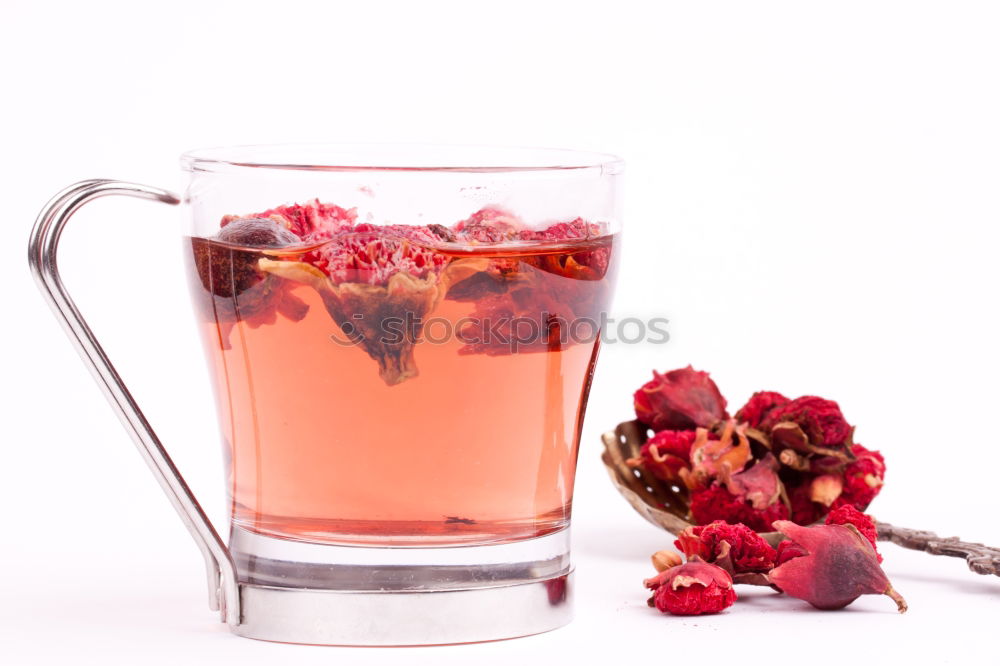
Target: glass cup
[(401, 341)]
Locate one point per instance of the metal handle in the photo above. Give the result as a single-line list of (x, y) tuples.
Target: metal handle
[(223, 587)]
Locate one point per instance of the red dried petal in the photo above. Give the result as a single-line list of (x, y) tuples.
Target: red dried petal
[(788, 550), (748, 552), (666, 453), (758, 407), (846, 514), (717, 503), (693, 588), (674, 442), (576, 229), (717, 458), (681, 399), (839, 566), (759, 485), (863, 478), (820, 419)]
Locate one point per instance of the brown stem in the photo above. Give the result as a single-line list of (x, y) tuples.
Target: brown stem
[(981, 559)]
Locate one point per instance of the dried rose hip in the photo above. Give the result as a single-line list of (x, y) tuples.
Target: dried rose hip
[(257, 232), (735, 548), (846, 514), (693, 588), (681, 399), (839, 565), (229, 271), (236, 289)]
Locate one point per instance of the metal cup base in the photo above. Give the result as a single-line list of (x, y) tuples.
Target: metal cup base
[(438, 617)]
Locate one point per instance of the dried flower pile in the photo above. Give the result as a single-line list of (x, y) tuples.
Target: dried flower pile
[(775, 459), (778, 464)]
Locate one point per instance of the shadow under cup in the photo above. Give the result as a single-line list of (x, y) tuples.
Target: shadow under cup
[(401, 342)]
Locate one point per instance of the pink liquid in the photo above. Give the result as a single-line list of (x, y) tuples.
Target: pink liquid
[(467, 443)]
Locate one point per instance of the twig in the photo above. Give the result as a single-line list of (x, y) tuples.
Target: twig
[(981, 559)]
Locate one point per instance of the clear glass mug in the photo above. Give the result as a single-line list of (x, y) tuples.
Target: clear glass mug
[(402, 341)]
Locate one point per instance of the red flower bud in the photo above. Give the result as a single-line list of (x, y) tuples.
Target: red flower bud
[(838, 567), (735, 548), (682, 399), (758, 407), (694, 588), (820, 420)]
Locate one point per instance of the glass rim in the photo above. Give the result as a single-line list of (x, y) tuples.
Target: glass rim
[(412, 157)]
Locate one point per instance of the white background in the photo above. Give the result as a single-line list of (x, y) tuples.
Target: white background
[(811, 200)]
